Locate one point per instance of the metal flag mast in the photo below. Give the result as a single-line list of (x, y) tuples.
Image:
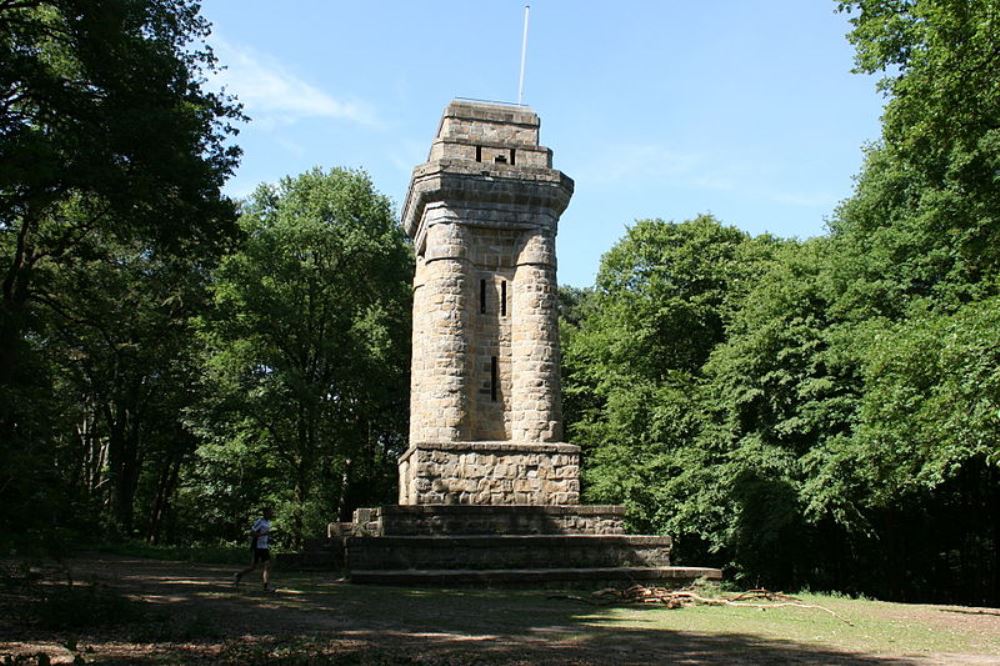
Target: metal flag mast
[(524, 53)]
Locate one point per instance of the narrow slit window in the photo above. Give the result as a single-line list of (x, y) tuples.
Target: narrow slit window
[(493, 378), (479, 153), (503, 298), (513, 157), (482, 296)]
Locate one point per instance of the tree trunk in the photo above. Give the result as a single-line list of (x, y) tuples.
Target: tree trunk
[(14, 301), (123, 461), (161, 506), (343, 509)]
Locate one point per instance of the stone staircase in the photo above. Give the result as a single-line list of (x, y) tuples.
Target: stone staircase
[(459, 544)]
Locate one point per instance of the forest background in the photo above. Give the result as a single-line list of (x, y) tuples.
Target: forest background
[(821, 413)]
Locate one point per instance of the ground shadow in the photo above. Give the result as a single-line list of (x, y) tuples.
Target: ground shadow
[(316, 620)]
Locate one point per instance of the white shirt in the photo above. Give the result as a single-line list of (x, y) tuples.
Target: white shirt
[(262, 526)]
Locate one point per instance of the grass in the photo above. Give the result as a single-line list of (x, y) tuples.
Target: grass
[(872, 627)]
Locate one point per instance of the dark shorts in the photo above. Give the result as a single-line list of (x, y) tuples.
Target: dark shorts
[(261, 555)]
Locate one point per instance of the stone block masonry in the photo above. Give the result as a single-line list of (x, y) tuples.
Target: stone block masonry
[(464, 520), (499, 552), (483, 213), (490, 473)]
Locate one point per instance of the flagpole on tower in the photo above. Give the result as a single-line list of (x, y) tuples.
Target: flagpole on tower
[(524, 53)]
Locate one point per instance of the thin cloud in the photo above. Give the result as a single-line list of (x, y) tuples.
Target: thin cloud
[(272, 95), (641, 164), (630, 161)]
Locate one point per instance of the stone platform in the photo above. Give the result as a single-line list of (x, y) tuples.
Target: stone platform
[(490, 473), (469, 520), (545, 551), (668, 576), (452, 544)]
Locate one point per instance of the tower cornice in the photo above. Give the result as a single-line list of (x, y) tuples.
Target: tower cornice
[(488, 184)]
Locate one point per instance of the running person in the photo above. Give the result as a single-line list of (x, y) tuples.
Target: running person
[(260, 550)]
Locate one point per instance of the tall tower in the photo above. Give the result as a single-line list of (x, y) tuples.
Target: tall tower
[(484, 413), (483, 211)]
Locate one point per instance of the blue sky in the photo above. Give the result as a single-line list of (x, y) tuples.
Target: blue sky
[(742, 108)]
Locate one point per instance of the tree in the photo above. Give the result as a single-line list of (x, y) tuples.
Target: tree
[(781, 392), (308, 349), (924, 221), (120, 341), (633, 368), (102, 106), (915, 270), (112, 154)]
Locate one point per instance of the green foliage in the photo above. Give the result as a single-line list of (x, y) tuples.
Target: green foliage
[(307, 351), (199, 553), (787, 408), (632, 369), (924, 220), (112, 155), (103, 104), (933, 400)]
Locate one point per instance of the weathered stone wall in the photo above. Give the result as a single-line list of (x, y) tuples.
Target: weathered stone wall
[(483, 213), (471, 520), (498, 552), (536, 412), (439, 400), (494, 473)]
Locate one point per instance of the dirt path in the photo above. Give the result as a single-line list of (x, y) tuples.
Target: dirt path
[(192, 613)]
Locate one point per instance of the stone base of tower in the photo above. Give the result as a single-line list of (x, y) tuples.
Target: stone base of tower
[(424, 544), (465, 520), (490, 473)]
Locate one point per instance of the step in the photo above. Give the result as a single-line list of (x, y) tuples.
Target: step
[(666, 575), (506, 552), (468, 520), (318, 555)]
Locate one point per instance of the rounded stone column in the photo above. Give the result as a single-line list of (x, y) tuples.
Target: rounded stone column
[(418, 361), (535, 410), (439, 400)]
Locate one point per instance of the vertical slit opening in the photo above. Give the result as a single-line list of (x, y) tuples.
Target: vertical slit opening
[(503, 298), (479, 153), (482, 296), (493, 378), (513, 157)]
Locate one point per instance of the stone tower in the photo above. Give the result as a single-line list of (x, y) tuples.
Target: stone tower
[(483, 211), (487, 492)]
